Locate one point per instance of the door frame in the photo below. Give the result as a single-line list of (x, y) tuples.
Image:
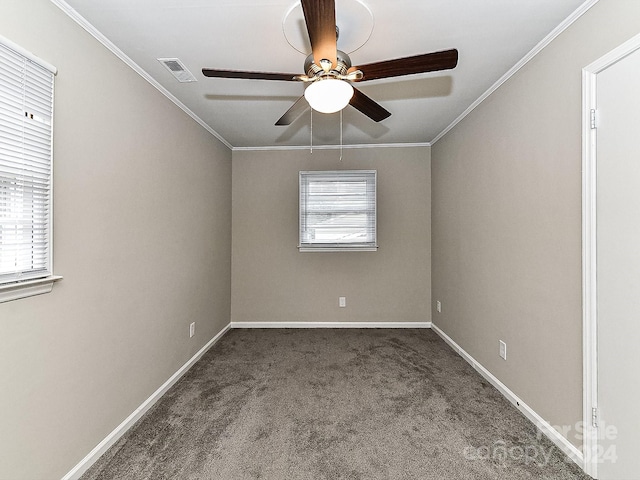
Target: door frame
[(589, 252)]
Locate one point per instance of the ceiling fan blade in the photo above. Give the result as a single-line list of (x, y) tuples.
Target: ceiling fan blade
[(320, 17), (369, 107), (428, 62), (294, 112), (210, 72)]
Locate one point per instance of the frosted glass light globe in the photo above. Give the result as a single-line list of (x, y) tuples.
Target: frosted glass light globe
[(328, 95)]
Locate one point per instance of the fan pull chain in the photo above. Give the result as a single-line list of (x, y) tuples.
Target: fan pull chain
[(341, 135), (311, 139)]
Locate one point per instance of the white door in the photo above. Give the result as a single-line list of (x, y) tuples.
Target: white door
[(618, 268)]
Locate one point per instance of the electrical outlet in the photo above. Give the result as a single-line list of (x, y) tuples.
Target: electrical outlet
[(342, 301), (192, 329), (438, 306), (503, 350)]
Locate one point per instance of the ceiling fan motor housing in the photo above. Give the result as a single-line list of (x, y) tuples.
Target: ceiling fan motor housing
[(314, 70)]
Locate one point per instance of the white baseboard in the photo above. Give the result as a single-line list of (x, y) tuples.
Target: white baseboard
[(545, 427), (76, 472), (330, 324)]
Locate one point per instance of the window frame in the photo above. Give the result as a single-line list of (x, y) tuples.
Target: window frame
[(369, 176), (25, 283)]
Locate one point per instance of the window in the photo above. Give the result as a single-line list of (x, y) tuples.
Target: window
[(26, 114), (338, 210)]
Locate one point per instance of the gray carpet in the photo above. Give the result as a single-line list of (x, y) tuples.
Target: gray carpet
[(333, 404)]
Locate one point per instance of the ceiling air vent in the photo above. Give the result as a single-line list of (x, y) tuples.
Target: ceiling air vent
[(177, 69)]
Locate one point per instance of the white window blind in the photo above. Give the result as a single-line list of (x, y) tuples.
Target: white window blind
[(26, 114), (338, 210)]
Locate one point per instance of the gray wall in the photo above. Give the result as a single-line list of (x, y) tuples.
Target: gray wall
[(506, 207), (273, 282), (142, 238)]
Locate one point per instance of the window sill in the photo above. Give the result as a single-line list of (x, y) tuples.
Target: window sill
[(28, 288), (338, 249)]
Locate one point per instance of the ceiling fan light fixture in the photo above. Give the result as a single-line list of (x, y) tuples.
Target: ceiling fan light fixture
[(328, 95)]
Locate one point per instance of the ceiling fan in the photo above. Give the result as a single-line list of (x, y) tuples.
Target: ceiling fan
[(329, 71)]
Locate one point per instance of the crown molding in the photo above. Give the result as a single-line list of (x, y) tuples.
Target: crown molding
[(581, 10), (330, 147), (84, 23)]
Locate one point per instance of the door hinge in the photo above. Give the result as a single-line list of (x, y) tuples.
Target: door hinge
[(594, 417), (594, 118)]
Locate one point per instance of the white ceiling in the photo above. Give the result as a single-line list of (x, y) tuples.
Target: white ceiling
[(490, 35)]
